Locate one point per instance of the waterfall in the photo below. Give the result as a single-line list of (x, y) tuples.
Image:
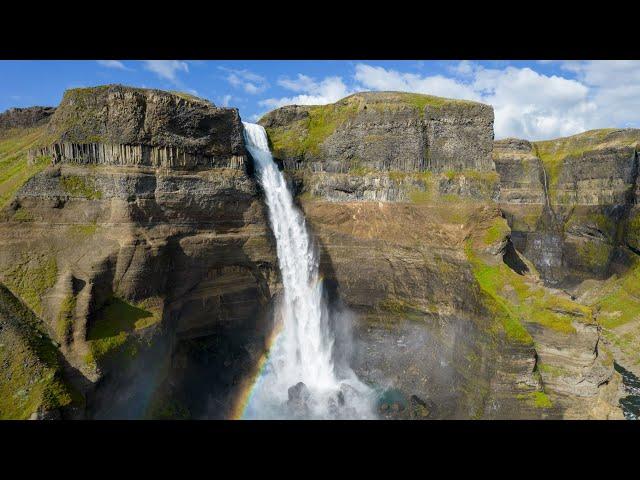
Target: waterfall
[(299, 379)]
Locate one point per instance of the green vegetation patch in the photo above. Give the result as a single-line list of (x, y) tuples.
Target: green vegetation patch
[(77, 186), (524, 302), (30, 277), (112, 325), (593, 254), (307, 134), (15, 167), (621, 303), (632, 234), (30, 374), (64, 321), (498, 230), (537, 399)]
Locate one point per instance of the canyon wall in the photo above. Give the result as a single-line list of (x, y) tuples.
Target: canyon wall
[(135, 236), (126, 258), (417, 245)]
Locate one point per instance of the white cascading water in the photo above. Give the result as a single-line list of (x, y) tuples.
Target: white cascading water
[(303, 351)]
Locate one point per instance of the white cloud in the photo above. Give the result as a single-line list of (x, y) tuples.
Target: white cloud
[(117, 64), (312, 92), (531, 105), (250, 82), (379, 78), (167, 69), (614, 89)]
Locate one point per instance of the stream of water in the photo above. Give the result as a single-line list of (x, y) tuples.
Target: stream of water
[(299, 379)]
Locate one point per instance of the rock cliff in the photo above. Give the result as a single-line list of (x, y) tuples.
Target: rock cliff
[(125, 257), (572, 204), (134, 236)]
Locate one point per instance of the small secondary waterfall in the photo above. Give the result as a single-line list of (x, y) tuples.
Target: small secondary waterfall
[(299, 379)]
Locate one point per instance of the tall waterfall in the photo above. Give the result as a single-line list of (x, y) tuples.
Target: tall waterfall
[(300, 379)]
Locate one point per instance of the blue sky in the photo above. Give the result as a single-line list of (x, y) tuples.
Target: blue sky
[(531, 99)]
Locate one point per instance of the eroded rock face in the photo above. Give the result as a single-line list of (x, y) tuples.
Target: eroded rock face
[(569, 200)]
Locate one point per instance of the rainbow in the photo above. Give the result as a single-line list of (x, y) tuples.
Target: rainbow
[(248, 388)]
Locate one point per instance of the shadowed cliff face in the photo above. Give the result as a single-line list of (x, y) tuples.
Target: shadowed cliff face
[(134, 234)]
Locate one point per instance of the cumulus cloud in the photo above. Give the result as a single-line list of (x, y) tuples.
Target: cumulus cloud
[(311, 92), (379, 78), (614, 89), (117, 64), (248, 81), (167, 69)]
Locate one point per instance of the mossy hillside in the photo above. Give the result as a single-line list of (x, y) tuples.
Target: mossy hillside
[(632, 230), (307, 134), (64, 320), (15, 167), (31, 376), (523, 302), (111, 328), (497, 231), (30, 277), (594, 254), (619, 303)]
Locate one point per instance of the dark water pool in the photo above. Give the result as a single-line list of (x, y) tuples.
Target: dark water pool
[(631, 402)]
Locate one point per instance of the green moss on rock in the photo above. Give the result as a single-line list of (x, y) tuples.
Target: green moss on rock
[(112, 325), (83, 187), (31, 376), (30, 277)]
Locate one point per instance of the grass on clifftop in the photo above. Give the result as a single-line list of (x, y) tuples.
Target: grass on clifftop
[(306, 135)]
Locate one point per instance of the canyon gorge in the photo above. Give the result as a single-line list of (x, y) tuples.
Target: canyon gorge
[(462, 277)]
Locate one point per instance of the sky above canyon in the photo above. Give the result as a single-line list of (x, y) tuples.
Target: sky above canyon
[(532, 99)]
